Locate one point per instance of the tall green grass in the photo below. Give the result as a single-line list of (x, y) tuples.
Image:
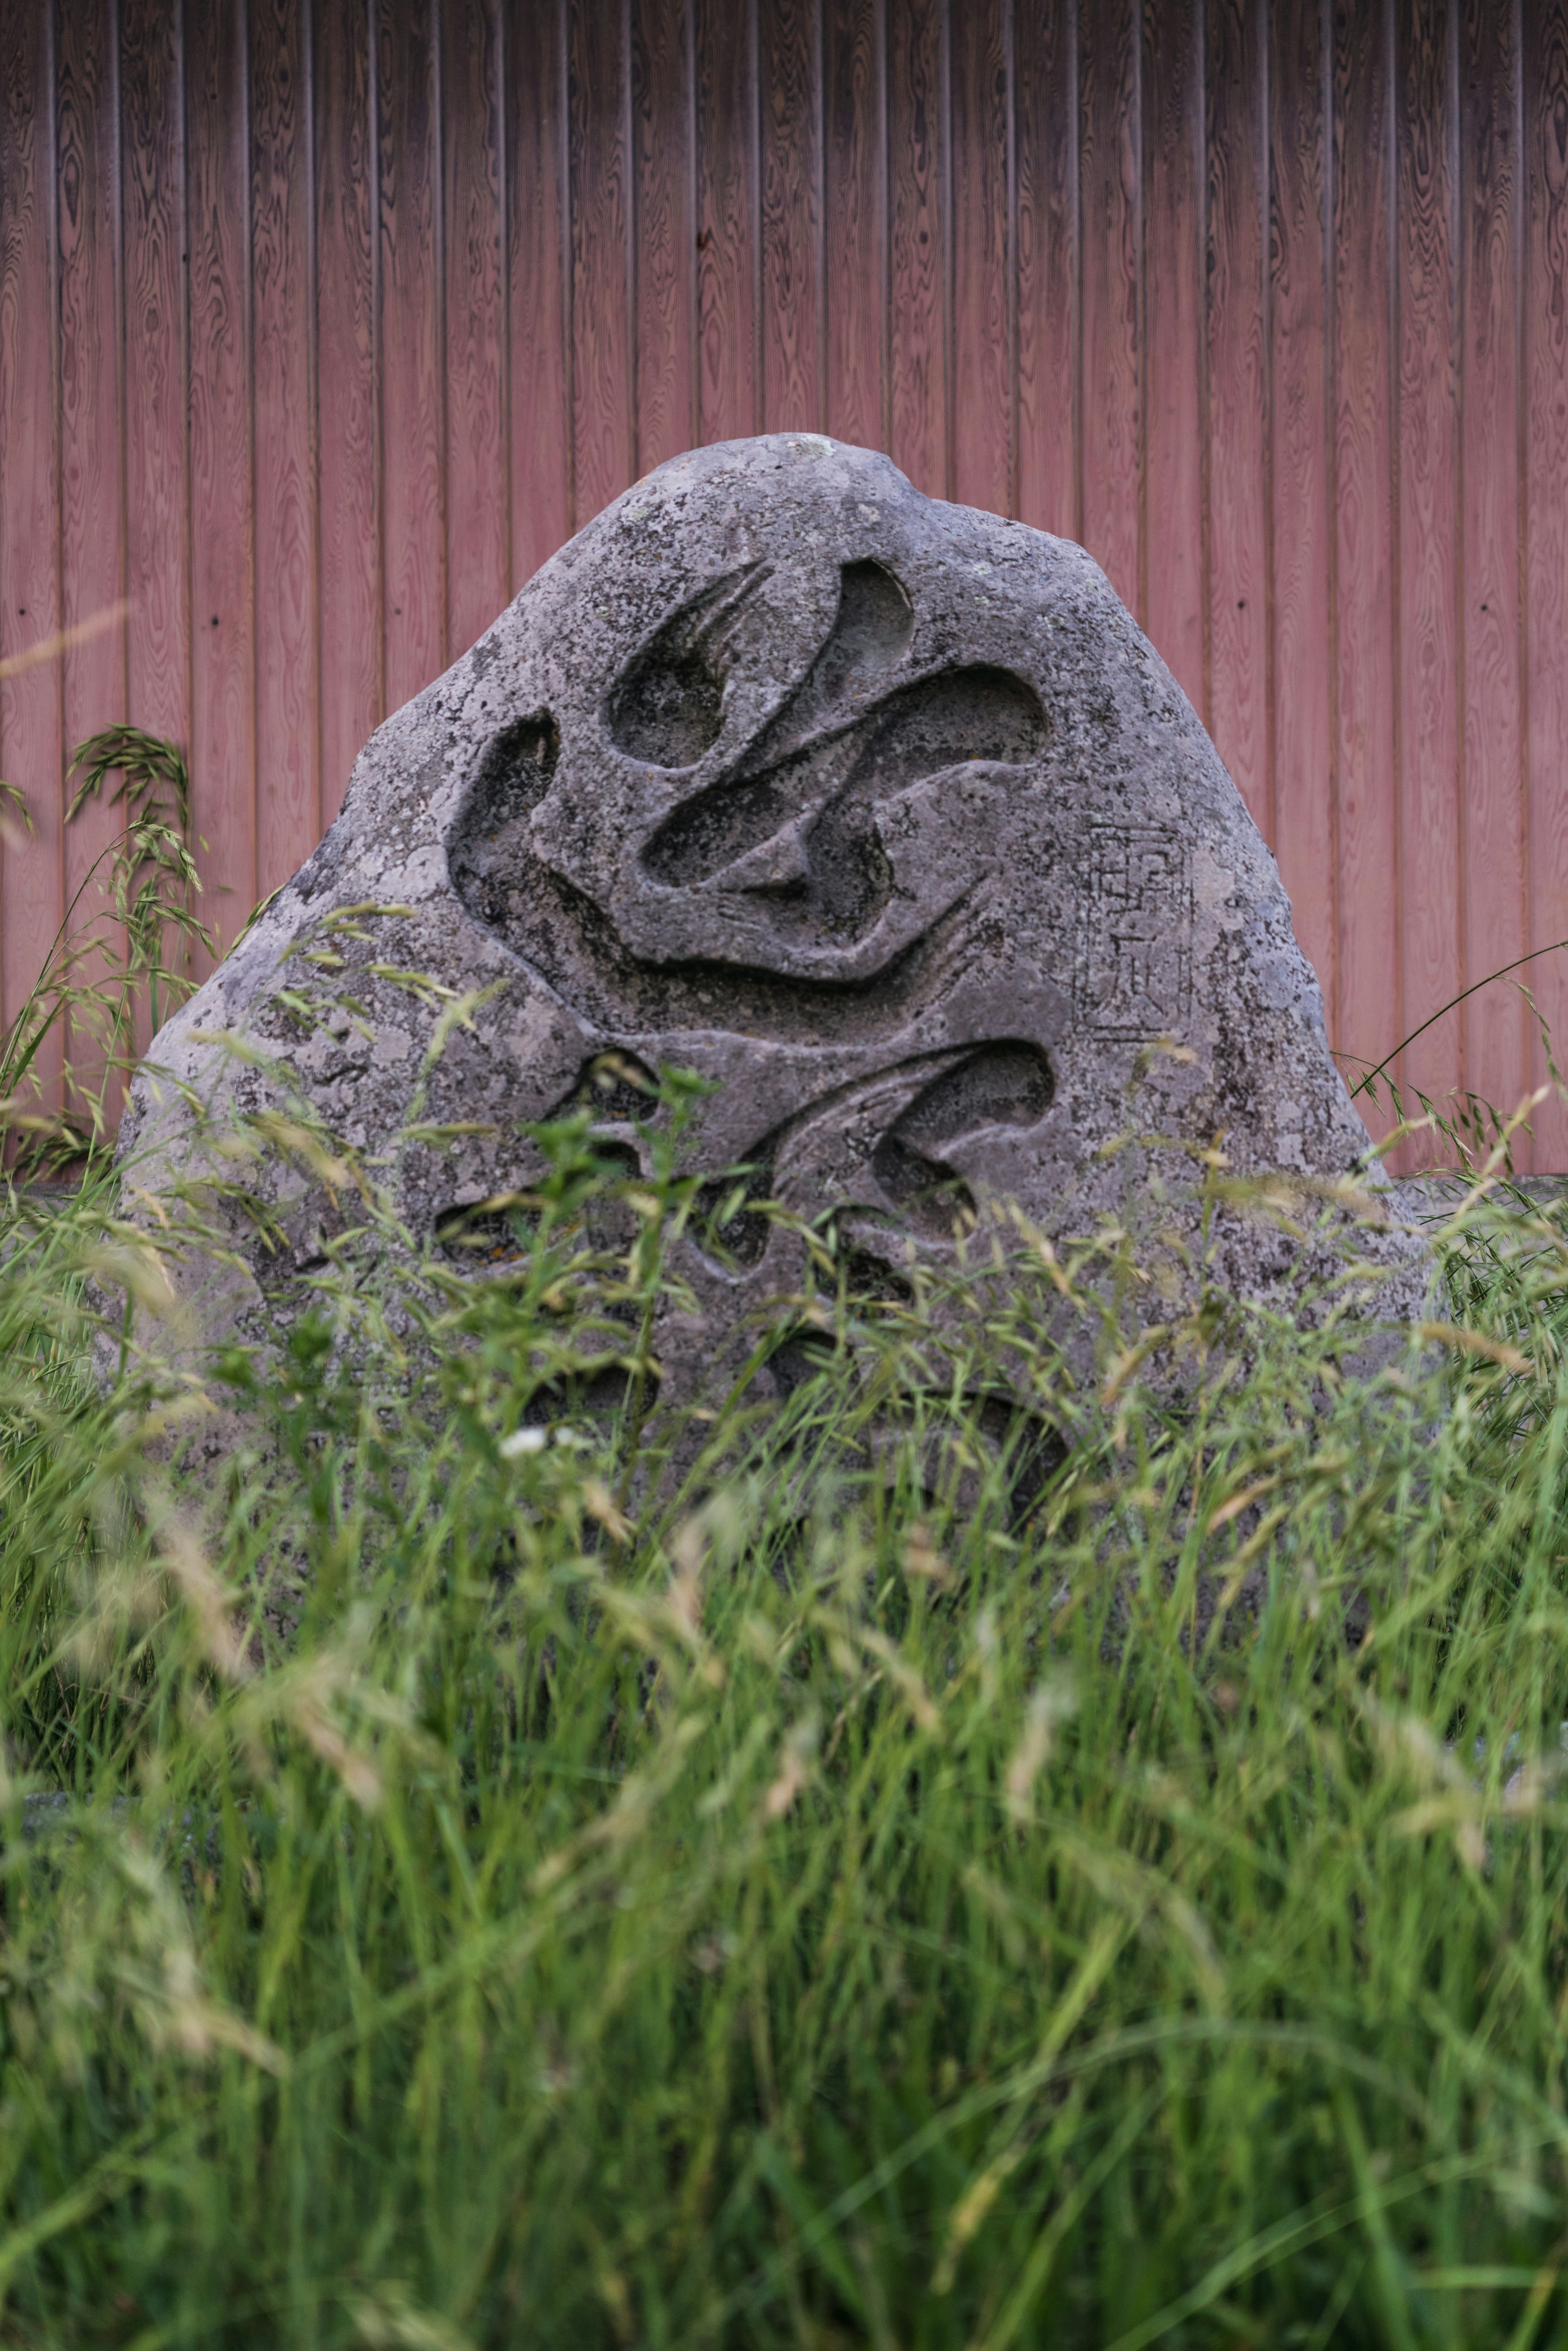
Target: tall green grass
[(484, 1867), (123, 959)]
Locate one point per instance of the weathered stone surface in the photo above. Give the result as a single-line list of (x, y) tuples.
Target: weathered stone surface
[(878, 810)]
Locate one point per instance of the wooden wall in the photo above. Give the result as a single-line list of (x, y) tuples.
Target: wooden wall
[(321, 325)]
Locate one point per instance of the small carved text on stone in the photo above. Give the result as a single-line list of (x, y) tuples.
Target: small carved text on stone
[(1135, 967)]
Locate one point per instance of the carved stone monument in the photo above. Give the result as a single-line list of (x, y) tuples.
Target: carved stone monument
[(877, 810)]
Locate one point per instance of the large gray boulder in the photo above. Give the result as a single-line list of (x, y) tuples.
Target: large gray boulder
[(879, 812)]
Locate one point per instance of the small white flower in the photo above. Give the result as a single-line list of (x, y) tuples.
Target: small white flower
[(523, 1440)]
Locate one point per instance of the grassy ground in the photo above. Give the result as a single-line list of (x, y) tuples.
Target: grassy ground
[(877, 1894)]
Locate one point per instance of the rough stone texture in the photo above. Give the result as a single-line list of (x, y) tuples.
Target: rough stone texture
[(880, 811)]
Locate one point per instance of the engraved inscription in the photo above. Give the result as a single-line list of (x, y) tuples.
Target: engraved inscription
[(788, 852), (803, 835), (880, 1144), (668, 709), (830, 848), (1134, 975), (792, 851)]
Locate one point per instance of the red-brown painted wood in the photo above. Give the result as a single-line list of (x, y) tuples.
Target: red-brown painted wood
[(1301, 510), (665, 168), (1049, 409), (542, 403), (730, 223), (410, 272), (92, 675), (918, 168), (1499, 1032), (153, 231), (288, 737), (348, 536), (30, 714), (603, 259), (223, 635), (790, 120), (335, 322), (1238, 639), (1365, 616), (1545, 303), (1174, 245), (854, 206), (1429, 665), (474, 333), (1111, 219), (983, 390)]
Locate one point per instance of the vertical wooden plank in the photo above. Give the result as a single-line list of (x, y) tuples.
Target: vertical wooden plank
[(603, 423), (1369, 965), (222, 648), (1173, 351), (790, 124), (854, 206), (982, 460), (1499, 1040), (666, 231), (538, 284), (474, 326), (1111, 179), (152, 191), (1543, 230), (1546, 507), (1049, 409), (1301, 486), (729, 381), (156, 377), (413, 488), (30, 745), (353, 685), (917, 162), (287, 738), (1237, 422), (92, 491), (1429, 665)]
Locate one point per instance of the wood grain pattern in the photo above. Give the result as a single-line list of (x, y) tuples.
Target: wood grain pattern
[(538, 283), (474, 325), (223, 636), (410, 341), (1110, 218), (1365, 619), (1499, 1033), (1302, 459), (790, 121), (1174, 246), (603, 419), (981, 465), (917, 276), (854, 204), (152, 229), (348, 536), (30, 715), (1546, 548), (1049, 387), (93, 544), (1237, 420), (1432, 880), (665, 180), (287, 737), (729, 226), (335, 321), (156, 377)]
